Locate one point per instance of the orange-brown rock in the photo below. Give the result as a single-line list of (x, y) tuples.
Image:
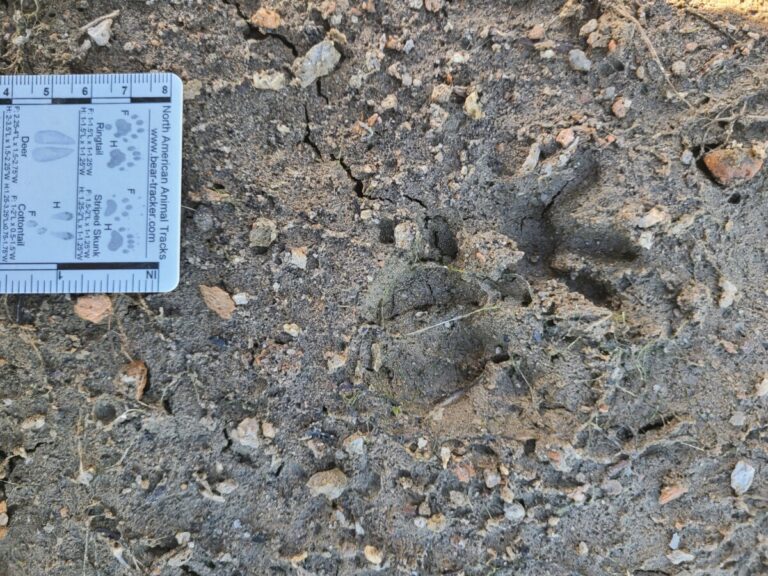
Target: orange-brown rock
[(734, 165)]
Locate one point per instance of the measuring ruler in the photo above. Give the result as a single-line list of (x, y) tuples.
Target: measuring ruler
[(90, 183)]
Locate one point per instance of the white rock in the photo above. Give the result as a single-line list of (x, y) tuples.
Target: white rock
[(319, 61), (728, 292), (354, 444), (679, 68), (445, 456), (406, 234), (762, 388), (389, 103), (514, 512), (579, 61), (247, 433), (531, 161), (226, 487), (269, 80), (651, 218), (441, 93), (33, 422), (742, 476), (588, 28), (292, 329), (330, 483), (373, 555), (192, 89), (472, 106), (263, 233), (679, 557), (738, 419), (674, 542), (492, 479), (240, 299), (101, 33), (298, 257), (268, 430)]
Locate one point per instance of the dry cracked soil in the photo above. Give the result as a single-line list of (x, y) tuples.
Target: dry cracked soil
[(468, 287)]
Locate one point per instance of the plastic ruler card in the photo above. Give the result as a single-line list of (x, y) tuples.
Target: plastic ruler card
[(90, 183)]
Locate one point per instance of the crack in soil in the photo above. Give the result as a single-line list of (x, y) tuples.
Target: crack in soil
[(308, 135), (416, 200), (319, 88), (359, 187)]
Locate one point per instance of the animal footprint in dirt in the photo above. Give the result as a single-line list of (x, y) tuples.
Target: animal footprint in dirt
[(53, 145), (60, 234), (126, 131)]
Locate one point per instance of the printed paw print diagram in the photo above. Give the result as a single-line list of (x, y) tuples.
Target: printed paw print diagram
[(58, 217), (125, 131), (52, 145), (120, 238)]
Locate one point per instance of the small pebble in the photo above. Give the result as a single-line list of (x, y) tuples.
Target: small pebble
[(472, 106), (679, 68), (612, 487), (728, 291), (536, 33), (738, 419), (492, 479), (269, 80), (548, 54), (101, 33), (240, 299), (319, 61), (579, 61), (674, 542), (354, 444), (514, 512), (263, 233), (588, 28), (373, 555), (565, 137), (268, 430), (621, 106), (734, 165), (762, 388), (680, 557), (742, 476), (104, 411), (687, 157), (406, 234), (329, 483)]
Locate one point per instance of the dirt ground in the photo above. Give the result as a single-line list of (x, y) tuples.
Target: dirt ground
[(473, 302)]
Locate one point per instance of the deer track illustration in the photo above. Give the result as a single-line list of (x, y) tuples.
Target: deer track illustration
[(54, 145)]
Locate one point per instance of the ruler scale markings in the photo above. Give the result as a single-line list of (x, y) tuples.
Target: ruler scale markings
[(2, 183)]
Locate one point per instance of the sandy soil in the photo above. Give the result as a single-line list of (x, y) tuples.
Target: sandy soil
[(483, 292)]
